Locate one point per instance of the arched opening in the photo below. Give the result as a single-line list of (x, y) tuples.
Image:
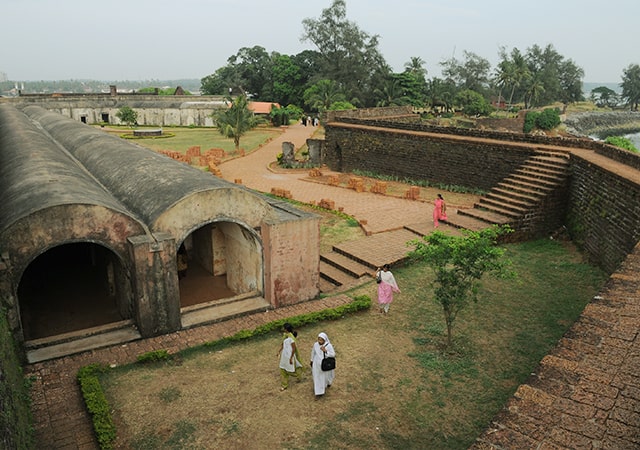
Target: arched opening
[(72, 287), (220, 260)]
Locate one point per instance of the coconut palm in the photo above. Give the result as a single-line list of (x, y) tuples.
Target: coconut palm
[(236, 120)]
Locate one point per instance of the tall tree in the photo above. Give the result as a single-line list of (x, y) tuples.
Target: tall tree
[(631, 85), (321, 95), (471, 73), (570, 77), (458, 264), (349, 56), (235, 121), (284, 83), (511, 71)]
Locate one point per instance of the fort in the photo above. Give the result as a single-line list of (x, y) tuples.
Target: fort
[(589, 380)]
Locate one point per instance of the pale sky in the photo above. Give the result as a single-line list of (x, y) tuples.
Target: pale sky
[(164, 40)]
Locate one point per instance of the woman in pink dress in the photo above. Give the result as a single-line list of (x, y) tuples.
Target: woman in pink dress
[(386, 287), (439, 210)]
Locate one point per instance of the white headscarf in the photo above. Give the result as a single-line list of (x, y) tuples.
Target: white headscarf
[(325, 337)]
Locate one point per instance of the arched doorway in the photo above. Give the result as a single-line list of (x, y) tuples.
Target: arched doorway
[(223, 260), (72, 287)]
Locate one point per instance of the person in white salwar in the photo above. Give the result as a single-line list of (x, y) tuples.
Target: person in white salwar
[(321, 379), (290, 366)]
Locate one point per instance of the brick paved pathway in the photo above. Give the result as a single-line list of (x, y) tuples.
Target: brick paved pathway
[(380, 212)]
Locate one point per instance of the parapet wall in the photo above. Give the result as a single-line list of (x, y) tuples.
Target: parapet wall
[(602, 212)]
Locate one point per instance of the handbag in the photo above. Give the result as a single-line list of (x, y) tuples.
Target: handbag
[(378, 278), (328, 363)]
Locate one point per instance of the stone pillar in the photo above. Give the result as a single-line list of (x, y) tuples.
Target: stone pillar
[(288, 153), (155, 282), (315, 148)]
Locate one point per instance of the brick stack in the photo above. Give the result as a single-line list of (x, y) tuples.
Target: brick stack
[(279, 192), (413, 193), (379, 187)]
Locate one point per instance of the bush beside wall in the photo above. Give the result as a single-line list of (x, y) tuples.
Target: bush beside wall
[(15, 415)]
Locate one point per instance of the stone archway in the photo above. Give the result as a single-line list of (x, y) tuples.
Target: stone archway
[(224, 260), (72, 287)]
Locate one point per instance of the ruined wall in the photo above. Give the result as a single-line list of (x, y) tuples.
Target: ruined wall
[(443, 159), (604, 213), (601, 209)]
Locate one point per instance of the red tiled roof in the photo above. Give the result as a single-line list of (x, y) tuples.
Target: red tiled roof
[(261, 107)]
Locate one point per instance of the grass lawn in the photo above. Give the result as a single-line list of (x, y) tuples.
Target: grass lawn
[(205, 138), (395, 388)]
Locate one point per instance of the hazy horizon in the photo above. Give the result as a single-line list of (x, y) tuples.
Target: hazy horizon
[(161, 40)]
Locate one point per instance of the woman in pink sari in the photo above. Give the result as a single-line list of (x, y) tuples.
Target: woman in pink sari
[(386, 287), (439, 211)]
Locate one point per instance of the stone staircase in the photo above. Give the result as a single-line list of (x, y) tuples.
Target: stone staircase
[(518, 199), (352, 263)]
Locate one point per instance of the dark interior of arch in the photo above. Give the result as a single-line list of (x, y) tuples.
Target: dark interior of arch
[(69, 288)]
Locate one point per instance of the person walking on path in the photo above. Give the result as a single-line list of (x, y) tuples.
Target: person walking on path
[(386, 287), (321, 379), (439, 210), (290, 365)]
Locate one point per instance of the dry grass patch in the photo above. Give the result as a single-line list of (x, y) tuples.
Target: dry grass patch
[(396, 386)]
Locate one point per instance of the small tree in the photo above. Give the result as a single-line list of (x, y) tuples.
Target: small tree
[(128, 116), (458, 263), (236, 120)]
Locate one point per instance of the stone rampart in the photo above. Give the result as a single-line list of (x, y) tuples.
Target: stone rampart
[(602, 208)]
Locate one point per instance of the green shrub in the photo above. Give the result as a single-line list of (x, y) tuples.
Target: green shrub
[(97, 404), (15, 415), (622, 142), (154, 356), (548, 119), (530, 121)]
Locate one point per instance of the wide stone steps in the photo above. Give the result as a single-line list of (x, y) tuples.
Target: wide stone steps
[(352, 263), (345, 264), (504, 208), (486, 216), (515, 197), (529, 197), (510, 198), (541, 174), (518, 194)]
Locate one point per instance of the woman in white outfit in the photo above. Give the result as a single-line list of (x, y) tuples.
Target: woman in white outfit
[(321, 379)]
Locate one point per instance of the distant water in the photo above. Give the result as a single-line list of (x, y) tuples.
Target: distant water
[(635, 138)]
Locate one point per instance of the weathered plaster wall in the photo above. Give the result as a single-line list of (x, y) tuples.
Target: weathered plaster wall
[(243, 257), (152, 110), (292, 271)]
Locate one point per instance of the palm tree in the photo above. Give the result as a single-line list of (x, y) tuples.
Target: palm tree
[(390, 94), (236, 120), (415, 65), (533, 92), (323, 94)]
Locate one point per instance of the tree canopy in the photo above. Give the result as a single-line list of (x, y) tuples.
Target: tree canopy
[(458, 264), (631, 86), (350, 57)]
